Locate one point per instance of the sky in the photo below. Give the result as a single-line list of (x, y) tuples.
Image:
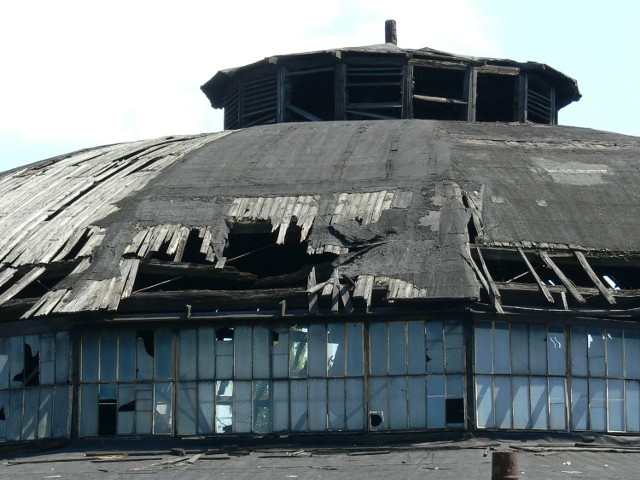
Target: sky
[(78, 74)]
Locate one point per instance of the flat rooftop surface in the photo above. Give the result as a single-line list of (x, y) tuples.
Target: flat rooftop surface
[(465, 459)]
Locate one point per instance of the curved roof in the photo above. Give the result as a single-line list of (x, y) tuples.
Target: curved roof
[(392, 200)]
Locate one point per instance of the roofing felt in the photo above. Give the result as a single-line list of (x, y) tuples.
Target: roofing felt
[(394, 198)]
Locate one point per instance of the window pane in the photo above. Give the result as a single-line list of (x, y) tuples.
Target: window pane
[(435, 347), (14, 421), (378, 348), (454, 340), (579, 403), (261, 407), (483, 348), (280, 352), (30, 414), (62, 357), (355, 354), (615, 403), (242, 410), (557, 404), (88, 410), (206, 356), (556, 346), (298, 351), (61, 414), (224, 356), (579, 345), (47, 364), (126, 409), (261, 361), (162, 412), (397, 348), (597, 405), (317, 405), (164, 354), (336, 404), (484, 401), (90, 350), (243, 353), (187, 355), (108, 356), (299, 405), (501, 350), (45, 412), (520, 348), (595, 343), (521, 398), (206, 408), (503, 408), (127, 357), (4, 363), (632, 405), (539, 403), (436, 410), (417, 393), (416, 352), (317, 351), (397, 403), (355, 404), (280, 406), (380, 400), (614, 353), (145, 348), (538, 349), (335, 350), (224, 403), (632, 353), (144, 409)]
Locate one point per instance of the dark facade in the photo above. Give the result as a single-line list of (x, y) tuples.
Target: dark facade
[(365, 276)]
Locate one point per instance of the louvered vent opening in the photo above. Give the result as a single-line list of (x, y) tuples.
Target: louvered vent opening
[(259, 101), (373, 93)]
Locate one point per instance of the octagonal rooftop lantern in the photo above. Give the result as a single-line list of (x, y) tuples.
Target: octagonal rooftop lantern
[(387, 82)]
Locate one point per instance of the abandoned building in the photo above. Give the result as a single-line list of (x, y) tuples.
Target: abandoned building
[(381, 240)]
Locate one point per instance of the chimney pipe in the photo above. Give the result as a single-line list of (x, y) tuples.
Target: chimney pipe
[(390, 34)]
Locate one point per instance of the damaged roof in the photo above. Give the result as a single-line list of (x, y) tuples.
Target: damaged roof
[(216, 87), (388, 203)]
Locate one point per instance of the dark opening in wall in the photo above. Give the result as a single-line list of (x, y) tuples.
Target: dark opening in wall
[(224, 334), (439, 93), (373, 92), (310, 95), (454, 411), (107, 417), (540, 101), (496, 99), (30, 375)]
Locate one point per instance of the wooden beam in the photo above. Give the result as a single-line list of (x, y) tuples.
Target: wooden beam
[(563, 278), (427, 98), (543, 288), (594, 278), (303, 113), (494, 293), (313, 296)]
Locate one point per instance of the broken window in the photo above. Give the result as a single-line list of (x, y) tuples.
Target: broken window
[(416, 370), (440, 93), (125, 382), (496, 97), (373, 92), (34, 390), (541, 104), (310, 95)]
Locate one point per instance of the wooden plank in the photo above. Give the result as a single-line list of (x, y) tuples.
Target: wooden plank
[(543, 288), (335, 292), (313, 296), (175, 238), (341, 205), (206, 241), (328, 287), (266, 208), (131, 272), (567, 283), (182, 243), (427, 98), (377, 209), (138, 238), (94, 241), (368, 289), (144, 246), (46, 304), (221, 262), (235, 206), (211, 256), (477, 271), (7, 274), (21, 284), (361, 282), (494, 293), (160, 237), (594, 278)]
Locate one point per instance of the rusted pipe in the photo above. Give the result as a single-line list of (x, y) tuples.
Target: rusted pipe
[(504, 466)]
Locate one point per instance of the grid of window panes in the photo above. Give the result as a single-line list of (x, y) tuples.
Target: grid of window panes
[(417, 375), (605, 384), (34, 387), (520, 376), (126, 382), (258, 379)]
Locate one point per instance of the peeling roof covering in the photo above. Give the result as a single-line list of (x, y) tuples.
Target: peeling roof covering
[(568, 92), (391, 199)]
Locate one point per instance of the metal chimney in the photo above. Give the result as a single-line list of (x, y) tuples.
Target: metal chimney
[(390, 34)]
